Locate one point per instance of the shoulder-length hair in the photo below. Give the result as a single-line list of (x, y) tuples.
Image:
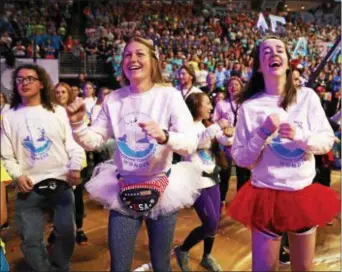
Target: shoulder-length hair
[(156, 76), (257, 84), (46, 93), (194, 102), (190, 70), (68, 89)]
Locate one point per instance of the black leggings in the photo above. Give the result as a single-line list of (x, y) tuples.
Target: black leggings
[(242, 176)]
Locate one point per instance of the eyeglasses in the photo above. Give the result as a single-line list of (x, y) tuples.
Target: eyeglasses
[(22, 80)]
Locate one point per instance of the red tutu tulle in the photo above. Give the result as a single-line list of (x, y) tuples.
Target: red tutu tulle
[(283, 211)]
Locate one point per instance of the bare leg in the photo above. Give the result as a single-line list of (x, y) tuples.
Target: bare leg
[(265, 251), (302, 248)]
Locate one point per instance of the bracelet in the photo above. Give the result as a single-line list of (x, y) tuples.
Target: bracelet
[(167, 135), (266, 131)]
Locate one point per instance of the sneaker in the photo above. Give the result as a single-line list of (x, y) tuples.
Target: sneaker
[(210, 263), (52, 238), (330, 223), (81, 238), (5, 226), (284, 256), (182, 259)]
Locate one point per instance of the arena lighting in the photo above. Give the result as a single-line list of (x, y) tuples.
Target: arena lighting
[(285, 6), (303, 7)]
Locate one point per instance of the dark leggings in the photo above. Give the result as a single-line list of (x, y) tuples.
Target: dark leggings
[(207, 207), (242, 176), (79, 205)]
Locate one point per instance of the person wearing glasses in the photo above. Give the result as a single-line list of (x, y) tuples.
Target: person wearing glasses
[(39, 152)]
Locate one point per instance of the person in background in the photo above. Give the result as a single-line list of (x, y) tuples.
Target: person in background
[(207, 205), (64, 96), (187, 79)]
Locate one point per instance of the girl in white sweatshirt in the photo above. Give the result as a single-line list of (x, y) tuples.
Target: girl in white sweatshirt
[(149, 121), (207, 205), (279, 129)]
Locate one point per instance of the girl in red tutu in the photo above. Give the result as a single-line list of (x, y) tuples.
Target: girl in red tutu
[(279, 130)]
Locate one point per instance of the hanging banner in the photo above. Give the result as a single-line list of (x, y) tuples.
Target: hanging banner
[(275, 20), (262, 24), (301, 48)]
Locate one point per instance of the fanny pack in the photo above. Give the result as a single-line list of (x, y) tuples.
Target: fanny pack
[(142, 197), (50, 186), (215, 175)]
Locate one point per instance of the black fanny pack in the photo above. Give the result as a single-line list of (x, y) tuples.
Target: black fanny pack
[(143, 196), (50, 186), (215, 175)]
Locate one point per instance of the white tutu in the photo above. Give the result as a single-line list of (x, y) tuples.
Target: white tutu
[(182, 190)]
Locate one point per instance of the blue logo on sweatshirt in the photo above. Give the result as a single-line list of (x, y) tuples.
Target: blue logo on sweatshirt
[(37, 143), (135, 147), (283, 151)]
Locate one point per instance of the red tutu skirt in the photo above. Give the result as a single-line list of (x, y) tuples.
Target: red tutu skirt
[(282, 211)]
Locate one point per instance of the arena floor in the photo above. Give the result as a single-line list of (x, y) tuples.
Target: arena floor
[(231, 249)]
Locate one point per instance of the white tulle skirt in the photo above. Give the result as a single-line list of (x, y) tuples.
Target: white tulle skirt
[(182, 190)]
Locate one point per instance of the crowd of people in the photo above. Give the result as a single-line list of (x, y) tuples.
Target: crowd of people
[(199, 95)]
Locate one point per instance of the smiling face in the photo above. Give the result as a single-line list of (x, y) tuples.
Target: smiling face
[(205, 108), (137, 62), (273, 59), (62, 95), (234, 86)]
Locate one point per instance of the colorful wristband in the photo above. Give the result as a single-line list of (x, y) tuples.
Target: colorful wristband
[(266, 131)]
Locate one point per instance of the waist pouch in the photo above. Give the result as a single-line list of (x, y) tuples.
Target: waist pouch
[(50, 187), (215, 175), (142, 197)]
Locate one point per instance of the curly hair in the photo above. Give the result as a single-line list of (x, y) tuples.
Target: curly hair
[(46, 93)]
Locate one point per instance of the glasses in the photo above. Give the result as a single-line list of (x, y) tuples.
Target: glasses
[(22, 80)]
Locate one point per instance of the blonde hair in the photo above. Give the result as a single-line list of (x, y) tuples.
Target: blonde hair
[(68, 89), (156, 75)]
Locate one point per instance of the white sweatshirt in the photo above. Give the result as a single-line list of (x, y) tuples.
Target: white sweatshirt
[(138, 156), (186, 92), (280, 163), (203, 156), (39, 143)]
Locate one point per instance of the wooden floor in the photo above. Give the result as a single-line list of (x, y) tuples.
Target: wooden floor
[(231, 249)]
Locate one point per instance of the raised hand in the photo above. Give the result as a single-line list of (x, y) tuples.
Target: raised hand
[(153, 130), (76, 110)]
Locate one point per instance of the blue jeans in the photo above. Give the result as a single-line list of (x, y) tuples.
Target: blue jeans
[(30, 221), (122, 234)]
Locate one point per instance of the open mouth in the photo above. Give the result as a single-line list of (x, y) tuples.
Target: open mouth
[(275, 64), (134, 68)]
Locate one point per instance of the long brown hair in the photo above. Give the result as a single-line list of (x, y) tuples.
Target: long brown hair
[(257, 84), (46, 93), (156, 76), (194, 101)]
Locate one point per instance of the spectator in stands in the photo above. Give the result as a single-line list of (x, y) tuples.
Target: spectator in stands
[(220, 75), (187, 79), (211, 88), (19, 49)]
